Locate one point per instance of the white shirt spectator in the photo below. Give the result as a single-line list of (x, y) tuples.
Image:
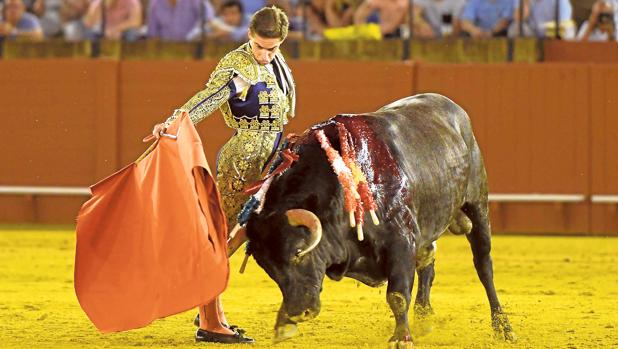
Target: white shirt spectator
[(596, 35), (50, 18), (437, 12)]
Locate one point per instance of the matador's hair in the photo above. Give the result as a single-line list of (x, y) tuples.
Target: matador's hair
[(270, 22)]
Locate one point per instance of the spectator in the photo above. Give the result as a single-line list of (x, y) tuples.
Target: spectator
[(122, 19), (48, 12), (173, 20), (323, 14), (17, 23), (487, 18), (540, 17), (443, 16), (231, 25), (601, 25), (581, 10), (251, 6), (393, 17), (71, 14), (29, 5)]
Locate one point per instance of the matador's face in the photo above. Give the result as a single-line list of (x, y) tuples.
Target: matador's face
[(264, 49)]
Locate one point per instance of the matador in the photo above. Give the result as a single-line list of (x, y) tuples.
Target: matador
[(254, 89)]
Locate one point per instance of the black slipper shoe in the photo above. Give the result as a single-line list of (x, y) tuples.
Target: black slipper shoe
[(234, 328), (214, 337)]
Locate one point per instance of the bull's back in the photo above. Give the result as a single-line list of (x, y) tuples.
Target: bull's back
[(432, 140)]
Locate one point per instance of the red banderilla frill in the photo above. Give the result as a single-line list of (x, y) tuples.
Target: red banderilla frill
[(357, 196), (366, 202), (344, 174)]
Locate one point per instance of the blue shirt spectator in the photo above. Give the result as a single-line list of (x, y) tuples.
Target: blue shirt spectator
[(539, 15), (173, 20), (16, 22), (486, 18), (251, 6), (231, 25)]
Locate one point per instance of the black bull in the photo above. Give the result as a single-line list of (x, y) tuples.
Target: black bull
[(426, 173)]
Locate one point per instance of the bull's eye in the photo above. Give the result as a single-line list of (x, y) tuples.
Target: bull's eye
[(298, 252)]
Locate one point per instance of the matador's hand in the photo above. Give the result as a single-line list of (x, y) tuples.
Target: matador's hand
[(156, 132)]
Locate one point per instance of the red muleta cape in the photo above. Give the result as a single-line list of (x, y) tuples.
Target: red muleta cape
[(151, 242)]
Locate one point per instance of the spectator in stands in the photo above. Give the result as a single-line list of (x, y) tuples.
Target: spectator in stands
[(487, 18), (28, 5), (323, 14), (17, 23), (581, 10), (393, 17), (71, 14), (173, 20), (601, 25), (48, 12), (231, 25), (122, 19), (540, 18), (251, 6), (443, 16)]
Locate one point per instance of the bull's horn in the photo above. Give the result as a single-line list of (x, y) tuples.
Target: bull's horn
[(307, 218)]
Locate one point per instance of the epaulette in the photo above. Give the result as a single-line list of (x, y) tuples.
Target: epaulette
[(238, 62)]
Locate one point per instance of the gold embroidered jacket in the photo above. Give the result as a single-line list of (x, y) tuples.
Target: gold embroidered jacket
[(264, 105)]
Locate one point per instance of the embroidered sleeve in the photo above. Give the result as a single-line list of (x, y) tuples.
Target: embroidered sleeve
[(220, 88)]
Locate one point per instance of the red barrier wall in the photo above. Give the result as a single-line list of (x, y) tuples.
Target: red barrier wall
[(55, 116), (580, 52), (604, 145)]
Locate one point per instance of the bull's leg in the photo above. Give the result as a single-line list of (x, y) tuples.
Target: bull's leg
[(422, 307), (480, 242), (401, 268), (425, 268)]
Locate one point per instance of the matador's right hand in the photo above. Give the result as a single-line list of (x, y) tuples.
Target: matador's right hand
[(157, 130)]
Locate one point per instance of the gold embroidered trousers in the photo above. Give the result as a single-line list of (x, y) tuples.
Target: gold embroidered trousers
[(240, 163)]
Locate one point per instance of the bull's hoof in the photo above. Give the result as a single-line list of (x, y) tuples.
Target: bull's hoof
[(502, 328), (401, 344), (285, 332), (508, 336)]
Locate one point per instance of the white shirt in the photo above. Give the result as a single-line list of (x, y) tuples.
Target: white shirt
[(596, 34)]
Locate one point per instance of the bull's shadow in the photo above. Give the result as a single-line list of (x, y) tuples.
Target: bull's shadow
[(426, 175)]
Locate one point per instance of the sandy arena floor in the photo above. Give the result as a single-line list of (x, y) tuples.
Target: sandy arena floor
[(560, 292)]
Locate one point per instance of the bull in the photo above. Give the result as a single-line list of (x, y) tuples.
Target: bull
[(426, 174)]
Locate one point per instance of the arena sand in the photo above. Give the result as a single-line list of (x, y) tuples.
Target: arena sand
[(560, 292)]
